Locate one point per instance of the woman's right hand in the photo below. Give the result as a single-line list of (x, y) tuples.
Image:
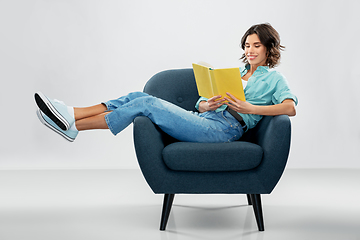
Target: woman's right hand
[(211, 104)]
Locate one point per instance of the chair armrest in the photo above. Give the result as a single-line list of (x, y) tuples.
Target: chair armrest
[(274, 138), (277, 133), (149, 144)]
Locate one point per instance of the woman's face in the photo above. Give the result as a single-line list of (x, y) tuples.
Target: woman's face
[(255, 51)]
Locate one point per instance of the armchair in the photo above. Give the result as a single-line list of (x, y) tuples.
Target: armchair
[(252, 165)]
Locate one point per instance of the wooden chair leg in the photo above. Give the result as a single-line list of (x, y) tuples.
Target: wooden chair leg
[(256, 202), (168, 200)]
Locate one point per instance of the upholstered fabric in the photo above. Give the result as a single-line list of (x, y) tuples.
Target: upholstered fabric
[(254, 164), (212, 157), (176, 86)]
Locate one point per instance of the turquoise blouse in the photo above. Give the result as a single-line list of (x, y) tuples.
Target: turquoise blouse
[(265, 87)]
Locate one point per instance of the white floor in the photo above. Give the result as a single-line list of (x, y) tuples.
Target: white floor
[(118, 204)]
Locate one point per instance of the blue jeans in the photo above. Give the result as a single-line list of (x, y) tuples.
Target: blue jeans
[(179, 123)]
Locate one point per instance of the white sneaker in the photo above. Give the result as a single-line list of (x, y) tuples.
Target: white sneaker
[(69, 135), (56, 110)]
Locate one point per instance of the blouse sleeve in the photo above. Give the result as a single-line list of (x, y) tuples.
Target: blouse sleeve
[(283, 92), (198, 102)]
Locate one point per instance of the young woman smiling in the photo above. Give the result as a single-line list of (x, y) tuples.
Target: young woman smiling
[(219, 119), (261, 45)]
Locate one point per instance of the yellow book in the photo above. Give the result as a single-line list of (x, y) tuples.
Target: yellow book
[(211, 82)]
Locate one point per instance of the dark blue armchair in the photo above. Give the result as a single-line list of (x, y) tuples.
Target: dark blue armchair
[(252, 166)]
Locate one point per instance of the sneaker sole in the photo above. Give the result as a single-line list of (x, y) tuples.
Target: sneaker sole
[(43, 121), (49, 110)]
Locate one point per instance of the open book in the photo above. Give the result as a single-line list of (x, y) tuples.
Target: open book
[(211, 82)]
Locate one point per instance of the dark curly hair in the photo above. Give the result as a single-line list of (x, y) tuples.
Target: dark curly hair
[(270, 38)]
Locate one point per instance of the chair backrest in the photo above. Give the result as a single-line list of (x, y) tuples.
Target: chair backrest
[(177, 86)]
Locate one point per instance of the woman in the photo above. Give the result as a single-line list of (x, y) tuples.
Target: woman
[(220, 118)]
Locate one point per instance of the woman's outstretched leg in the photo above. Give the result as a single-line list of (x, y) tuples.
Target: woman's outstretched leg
[(93, 117), (86, 112), (65, 120), (177, 122), (119, 113), (93, 122)]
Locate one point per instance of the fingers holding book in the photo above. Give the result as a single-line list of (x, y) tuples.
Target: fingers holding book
[(215, 102), (238, 105), (211, 104)]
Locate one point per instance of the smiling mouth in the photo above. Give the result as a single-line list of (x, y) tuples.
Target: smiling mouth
[(251, 57)]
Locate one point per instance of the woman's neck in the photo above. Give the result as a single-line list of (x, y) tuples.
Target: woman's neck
[(250, 71), (253, 68)]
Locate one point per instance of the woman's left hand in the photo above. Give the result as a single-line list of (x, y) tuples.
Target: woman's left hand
[(238, 105)]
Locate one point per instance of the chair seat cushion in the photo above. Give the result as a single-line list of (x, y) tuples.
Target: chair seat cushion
[(212, 157)]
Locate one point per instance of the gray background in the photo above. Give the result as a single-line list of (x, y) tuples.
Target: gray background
[(85, 52)]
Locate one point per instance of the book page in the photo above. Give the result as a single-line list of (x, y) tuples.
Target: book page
[(203, 81)]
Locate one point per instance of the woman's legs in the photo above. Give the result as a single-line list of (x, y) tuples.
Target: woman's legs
[(179, 123), (93, 117), (94, 122), (85, 112), (90, 117)]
